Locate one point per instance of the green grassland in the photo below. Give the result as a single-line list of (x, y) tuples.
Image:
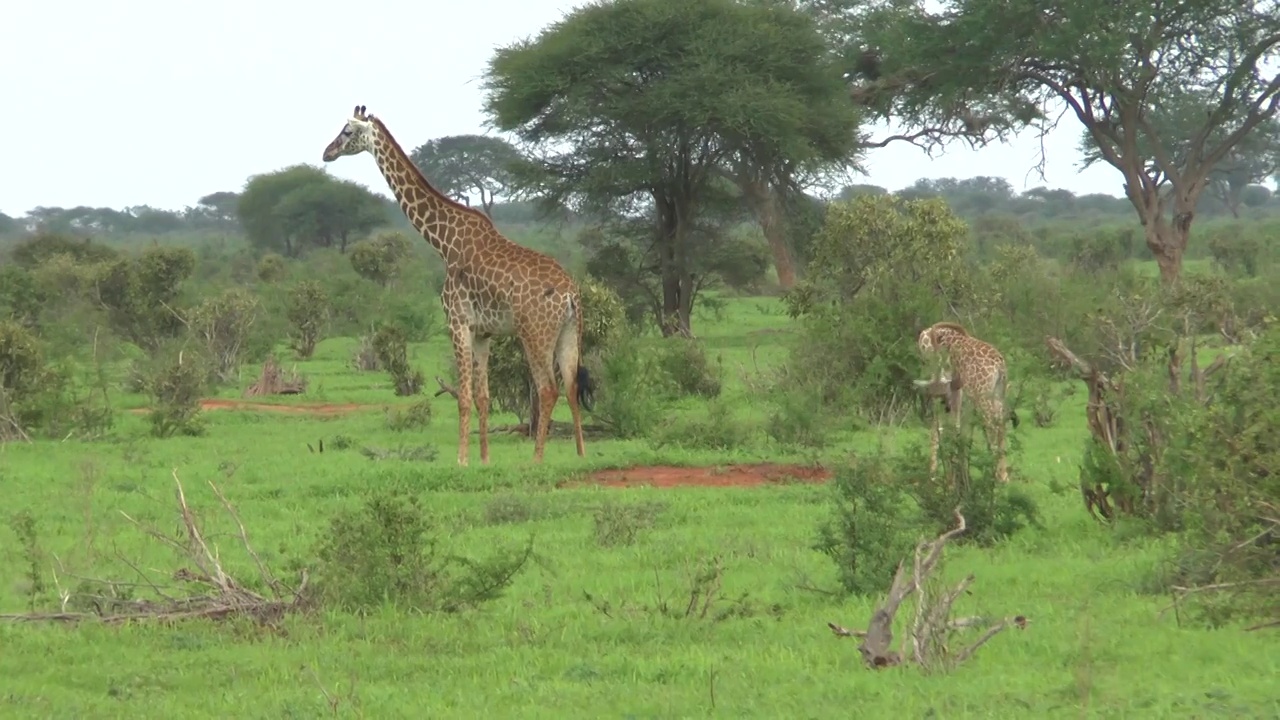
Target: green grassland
[(1095, 647)]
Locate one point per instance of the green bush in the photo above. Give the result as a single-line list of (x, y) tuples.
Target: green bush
[(883, 268), (308, 313), (388, 552), (884, 504), (392, 350)]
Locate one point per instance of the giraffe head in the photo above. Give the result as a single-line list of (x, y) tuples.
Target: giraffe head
[(357, 136), (939, 335)]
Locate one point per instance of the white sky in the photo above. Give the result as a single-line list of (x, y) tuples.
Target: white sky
[(150, 102)]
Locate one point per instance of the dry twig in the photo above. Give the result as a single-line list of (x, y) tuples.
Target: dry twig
[(932, 625), (224, 596)]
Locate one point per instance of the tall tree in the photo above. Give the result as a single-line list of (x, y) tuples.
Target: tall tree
[(639, 107), (462, 164), (980, 69)]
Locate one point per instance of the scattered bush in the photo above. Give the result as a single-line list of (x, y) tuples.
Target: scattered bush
[(883, 268), (308, 313), (380, 258), (223, 324), (717, 430), (618, 524), (417, 416), (685, 362), (176, 383), (271, 268), (388, 551), (392, 349), (884, 504), (28, 387)]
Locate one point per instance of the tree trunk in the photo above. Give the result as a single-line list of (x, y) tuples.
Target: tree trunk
[(767, 207), (766, 204), (1167, 239)]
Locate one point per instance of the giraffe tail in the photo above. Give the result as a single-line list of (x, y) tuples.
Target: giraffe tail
[(586, 388)]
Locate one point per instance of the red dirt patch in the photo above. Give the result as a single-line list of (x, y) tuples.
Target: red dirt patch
[(317, 409), (667, 476)]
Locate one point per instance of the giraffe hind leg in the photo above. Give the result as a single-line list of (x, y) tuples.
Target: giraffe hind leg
[(480, 359), (574, 378), (542, 369), (462, 357)]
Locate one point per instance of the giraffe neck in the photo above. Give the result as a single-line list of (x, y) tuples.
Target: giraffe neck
[(442, 221)]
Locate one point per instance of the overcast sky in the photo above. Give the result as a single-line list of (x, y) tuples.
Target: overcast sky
[(150, 102)]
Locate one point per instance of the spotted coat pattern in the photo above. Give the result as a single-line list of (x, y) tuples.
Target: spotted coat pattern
[(492, 287)]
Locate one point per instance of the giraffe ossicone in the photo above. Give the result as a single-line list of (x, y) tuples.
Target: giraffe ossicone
[(493, 287)]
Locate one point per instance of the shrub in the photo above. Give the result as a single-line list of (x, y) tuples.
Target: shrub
[(387, 551), (223, 325), (872, 527), (392, 349), (176, 383), (380, 258), (717, 430), (417, 416), (271, 268), (308, 312), (882, 269), (884, 503), (685, 362), (28, 387)]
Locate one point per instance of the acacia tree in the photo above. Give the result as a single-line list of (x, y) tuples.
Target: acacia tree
[(637, 108), (458, 164), (282, 210), (980, 69)]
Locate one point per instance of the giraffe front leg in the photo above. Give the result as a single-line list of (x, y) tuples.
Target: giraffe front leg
[(480, 357), (993, 415), (461, 337)]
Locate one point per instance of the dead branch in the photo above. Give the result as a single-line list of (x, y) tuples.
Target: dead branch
[(273, 381), (1103, 417), (445, 388), (223, 598), (932, 625)]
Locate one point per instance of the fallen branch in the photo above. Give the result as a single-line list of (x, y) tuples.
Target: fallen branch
[(224, 596), (445, 388), (932, 625)]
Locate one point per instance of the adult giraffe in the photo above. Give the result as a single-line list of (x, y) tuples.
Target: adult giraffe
[(976, 366), (492, 287)]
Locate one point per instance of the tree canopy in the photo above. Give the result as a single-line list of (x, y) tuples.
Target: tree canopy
[(461, 164), (302, 205), (638, 108), (1164, 91)]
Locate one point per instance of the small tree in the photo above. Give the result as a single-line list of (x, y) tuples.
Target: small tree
[(141, 294), (392, 348), (380, 258), (308, 313), (882, 269), (222, 324)]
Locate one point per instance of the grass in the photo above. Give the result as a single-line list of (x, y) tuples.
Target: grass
[(1096, 646)]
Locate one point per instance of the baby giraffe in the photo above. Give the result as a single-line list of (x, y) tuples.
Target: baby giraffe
[(976, 366)]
